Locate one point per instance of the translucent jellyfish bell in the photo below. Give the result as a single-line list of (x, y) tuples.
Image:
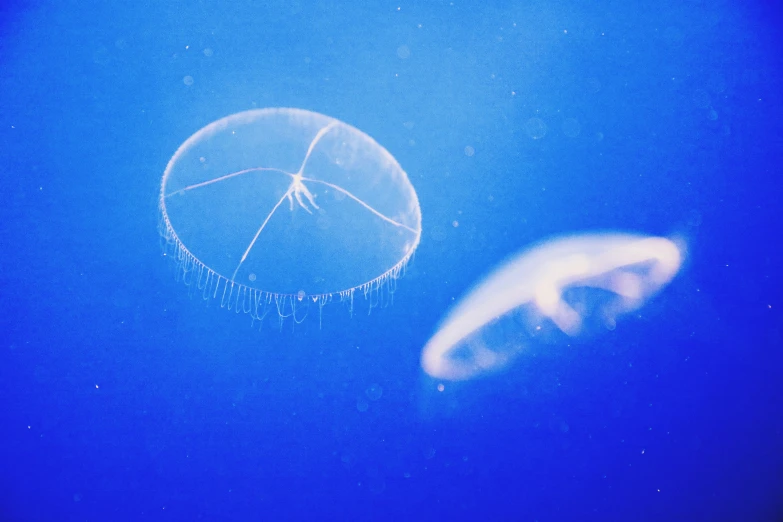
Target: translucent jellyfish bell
[(546, 287), (271, 208)]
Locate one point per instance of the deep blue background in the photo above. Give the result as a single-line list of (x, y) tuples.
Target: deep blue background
[(121, 398)]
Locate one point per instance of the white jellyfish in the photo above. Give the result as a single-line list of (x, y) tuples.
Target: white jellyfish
[(559, 284), (277, 208)]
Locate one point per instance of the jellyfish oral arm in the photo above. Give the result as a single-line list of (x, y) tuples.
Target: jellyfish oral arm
[(298, 188)]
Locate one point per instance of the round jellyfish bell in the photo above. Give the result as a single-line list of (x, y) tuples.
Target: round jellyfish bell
[(492, 324), (270, 208)]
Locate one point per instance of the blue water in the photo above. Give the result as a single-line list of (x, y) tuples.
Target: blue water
[(122, 398)]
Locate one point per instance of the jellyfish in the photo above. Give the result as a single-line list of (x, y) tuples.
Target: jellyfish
[(565, 285), (277, 208)]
